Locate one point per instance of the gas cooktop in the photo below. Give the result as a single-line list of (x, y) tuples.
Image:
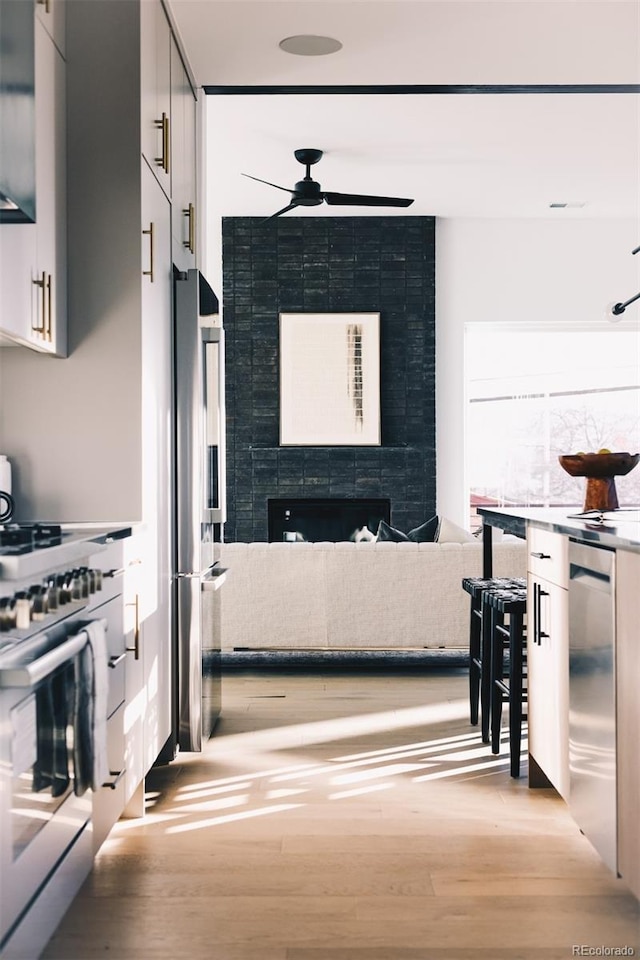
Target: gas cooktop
[(20, 538)]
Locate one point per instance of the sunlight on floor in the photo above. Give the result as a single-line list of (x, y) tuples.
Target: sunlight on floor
[(252, 793), (347, 817)]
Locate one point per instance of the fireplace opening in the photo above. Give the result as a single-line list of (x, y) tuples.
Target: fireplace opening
[(328, 519)]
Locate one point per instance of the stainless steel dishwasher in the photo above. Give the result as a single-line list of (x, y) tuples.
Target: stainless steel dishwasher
[(592, 696)]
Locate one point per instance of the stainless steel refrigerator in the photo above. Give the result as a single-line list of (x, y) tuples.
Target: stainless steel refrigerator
[(198, 507)]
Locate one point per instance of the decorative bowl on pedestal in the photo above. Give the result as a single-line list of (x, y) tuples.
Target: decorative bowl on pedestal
[(600, 470)]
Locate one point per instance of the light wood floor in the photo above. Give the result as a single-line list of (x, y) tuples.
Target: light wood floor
[(346, 816)]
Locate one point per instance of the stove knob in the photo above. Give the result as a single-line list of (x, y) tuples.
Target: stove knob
[(63, 582), (83, 577), (24, 604), (52, 593), (40, 604), (76, 585), (7, 613)]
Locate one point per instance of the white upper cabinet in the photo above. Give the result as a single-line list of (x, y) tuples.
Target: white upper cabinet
[(17, 267), (49, 283), (33, 273), (183, 153), (155, 93), (51, 14)]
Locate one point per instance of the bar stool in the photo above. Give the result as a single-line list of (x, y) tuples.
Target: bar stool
[(508, 676), (480, 647)]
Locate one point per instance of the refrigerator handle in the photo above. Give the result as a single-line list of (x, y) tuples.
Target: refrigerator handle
[(214, 579)]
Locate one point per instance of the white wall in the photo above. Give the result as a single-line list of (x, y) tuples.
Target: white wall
[(516, 271)]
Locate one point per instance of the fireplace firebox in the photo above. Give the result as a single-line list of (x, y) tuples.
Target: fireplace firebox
[(328, 519)]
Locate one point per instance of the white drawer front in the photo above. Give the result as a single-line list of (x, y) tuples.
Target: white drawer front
[(109, 800), (117, 667), (547, 555)]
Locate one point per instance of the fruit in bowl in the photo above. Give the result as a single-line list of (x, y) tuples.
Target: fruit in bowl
[(599, 469)]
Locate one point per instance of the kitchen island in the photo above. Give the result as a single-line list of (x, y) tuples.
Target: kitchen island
[(583, 661)]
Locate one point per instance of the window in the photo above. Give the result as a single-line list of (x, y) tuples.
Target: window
[(536, 393)]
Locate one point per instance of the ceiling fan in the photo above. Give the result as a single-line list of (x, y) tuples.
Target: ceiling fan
[(309, 193)]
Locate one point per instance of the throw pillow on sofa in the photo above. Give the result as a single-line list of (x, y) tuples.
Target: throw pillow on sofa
[(450, 532), (387, 532), (425, 533)]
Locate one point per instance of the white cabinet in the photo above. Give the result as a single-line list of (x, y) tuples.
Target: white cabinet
[(134, 713), (33, 271), (155, 612), (628, 715), (117, 562), (183, 152), (155, 91), (49, 282), (17, 268), (51, 14), (548, 657)]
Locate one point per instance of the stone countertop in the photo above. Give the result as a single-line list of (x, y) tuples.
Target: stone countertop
[(616, 529), (74, 546), (99, 532)]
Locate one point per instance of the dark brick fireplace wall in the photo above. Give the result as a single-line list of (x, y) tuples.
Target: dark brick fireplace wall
[(329, 264)]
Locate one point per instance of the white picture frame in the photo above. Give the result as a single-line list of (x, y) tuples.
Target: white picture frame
[(330, 379)]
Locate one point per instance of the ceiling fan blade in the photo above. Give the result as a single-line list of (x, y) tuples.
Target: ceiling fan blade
[(269, 184), (289, 206), (362, 200)]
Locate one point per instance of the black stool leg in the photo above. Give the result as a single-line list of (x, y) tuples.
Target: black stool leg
[(474, 656), (515, 691), (497, 673), (485, 676)]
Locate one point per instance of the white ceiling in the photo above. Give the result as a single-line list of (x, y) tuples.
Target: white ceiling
[(470, 155)]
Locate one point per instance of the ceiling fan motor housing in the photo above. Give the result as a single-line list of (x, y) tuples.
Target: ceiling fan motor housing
[(307, 193)]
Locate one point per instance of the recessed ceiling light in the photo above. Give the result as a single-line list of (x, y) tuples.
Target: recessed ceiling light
[(307, 45), (572, 204)]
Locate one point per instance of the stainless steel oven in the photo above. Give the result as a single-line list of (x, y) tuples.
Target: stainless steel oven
[(46, 751), (42, 817)]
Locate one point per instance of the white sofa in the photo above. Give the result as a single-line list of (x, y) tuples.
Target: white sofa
[(354, 596)]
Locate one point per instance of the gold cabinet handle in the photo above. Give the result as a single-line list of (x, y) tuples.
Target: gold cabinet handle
[(149, 233), (135, 649), (46, 4), (163, 160), (190, 244), (48, 324), (166, 146), (40, 327)]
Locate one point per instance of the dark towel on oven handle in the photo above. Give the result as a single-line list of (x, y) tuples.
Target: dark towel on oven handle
[(90, 711), (53, 702)]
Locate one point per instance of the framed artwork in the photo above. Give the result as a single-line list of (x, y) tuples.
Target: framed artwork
[(330, 379)]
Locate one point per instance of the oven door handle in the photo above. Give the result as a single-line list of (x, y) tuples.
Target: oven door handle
[(30, 674)]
